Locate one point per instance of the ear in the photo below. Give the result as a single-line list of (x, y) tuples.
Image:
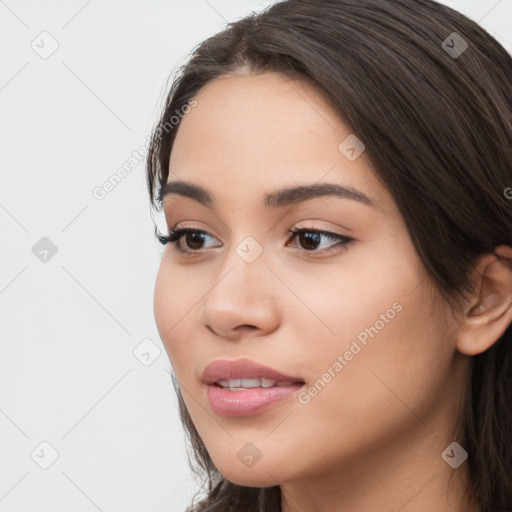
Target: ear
[(489, 313)]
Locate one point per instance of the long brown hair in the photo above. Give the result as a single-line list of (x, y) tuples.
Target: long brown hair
[(437, 126)]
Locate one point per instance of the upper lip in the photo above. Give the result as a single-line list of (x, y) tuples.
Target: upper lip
[(225, 369)]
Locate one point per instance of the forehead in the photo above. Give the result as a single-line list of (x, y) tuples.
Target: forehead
[(262, 132)]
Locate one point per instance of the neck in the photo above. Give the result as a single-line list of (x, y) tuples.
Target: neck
[(408, 476)]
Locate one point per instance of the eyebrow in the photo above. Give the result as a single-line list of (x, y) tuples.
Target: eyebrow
[(276, 199)]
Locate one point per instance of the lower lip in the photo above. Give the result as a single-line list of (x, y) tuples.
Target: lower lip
[(247, 402)]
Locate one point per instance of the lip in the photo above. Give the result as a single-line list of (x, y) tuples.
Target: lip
[(248, 401), (242, 368)]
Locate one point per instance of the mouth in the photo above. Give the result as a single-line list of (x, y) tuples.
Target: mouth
[(251, 373), (244, 387), (251, 383)]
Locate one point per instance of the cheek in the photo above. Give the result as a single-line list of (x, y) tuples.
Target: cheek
[(162, 302), (172, 302), (383, 325), (357, 300), (393, 361), (388, 356)]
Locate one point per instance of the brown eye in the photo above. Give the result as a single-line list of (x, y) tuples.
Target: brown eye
[(194, 239), (310, 239)]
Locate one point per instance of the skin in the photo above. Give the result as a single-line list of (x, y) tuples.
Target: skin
[(372, 438)]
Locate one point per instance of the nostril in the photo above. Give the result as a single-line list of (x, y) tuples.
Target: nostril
[(246, 327), (240, 328)]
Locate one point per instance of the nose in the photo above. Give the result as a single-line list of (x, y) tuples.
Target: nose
[(242, 302)]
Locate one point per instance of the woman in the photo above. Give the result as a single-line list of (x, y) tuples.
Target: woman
[(336, 286)]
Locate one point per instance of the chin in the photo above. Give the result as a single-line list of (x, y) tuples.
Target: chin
[(260, 472), (249, 477)]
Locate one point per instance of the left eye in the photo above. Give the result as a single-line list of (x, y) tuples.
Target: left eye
[(309, 236)]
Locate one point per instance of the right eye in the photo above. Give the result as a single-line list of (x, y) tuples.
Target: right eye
[(194, 237)]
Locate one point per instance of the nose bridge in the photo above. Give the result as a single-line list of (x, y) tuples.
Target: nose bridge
[(243, 293), (242, 275), (246, 260)]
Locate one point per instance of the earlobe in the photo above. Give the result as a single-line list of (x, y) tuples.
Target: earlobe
[(489, 314)]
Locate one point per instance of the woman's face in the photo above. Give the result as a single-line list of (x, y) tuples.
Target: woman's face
[(349, 321)]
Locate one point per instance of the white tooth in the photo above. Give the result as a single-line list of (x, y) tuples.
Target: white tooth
[(250, 383), (267, 383)]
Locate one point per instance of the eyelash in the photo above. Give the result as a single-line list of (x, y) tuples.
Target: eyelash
[(175, 236)]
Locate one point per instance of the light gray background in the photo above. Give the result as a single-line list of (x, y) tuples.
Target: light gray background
[(69, 326)]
